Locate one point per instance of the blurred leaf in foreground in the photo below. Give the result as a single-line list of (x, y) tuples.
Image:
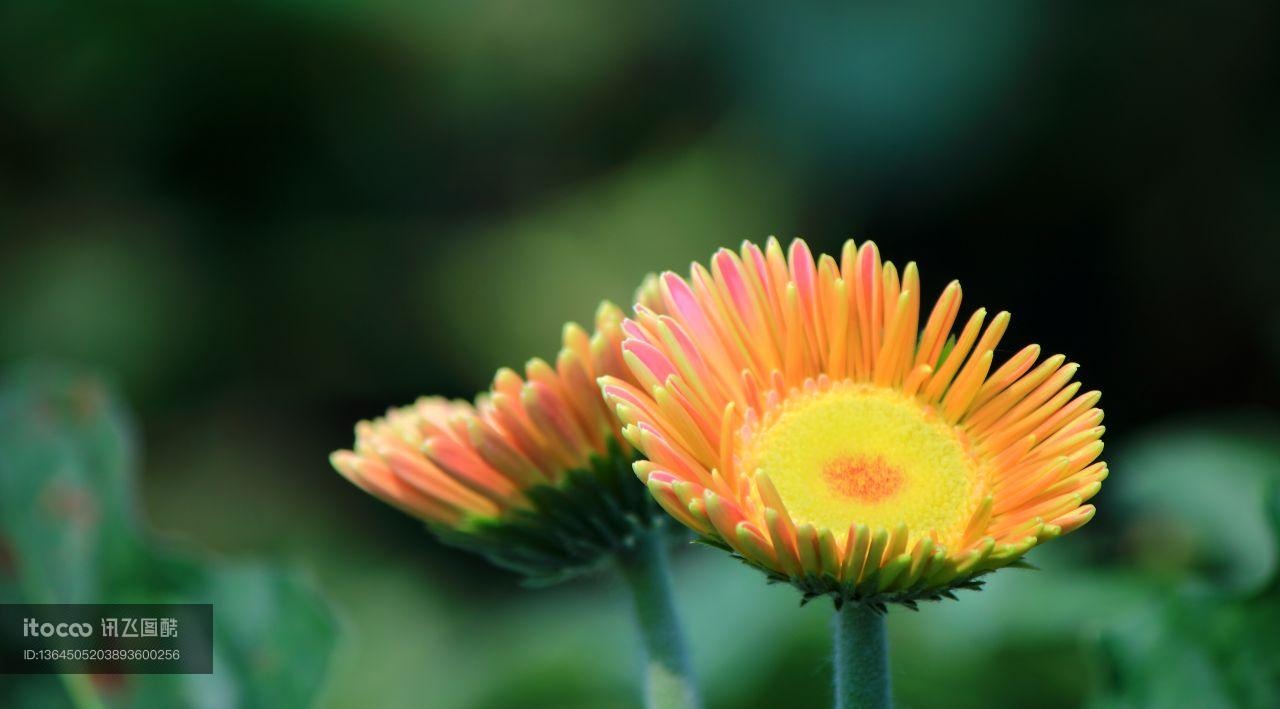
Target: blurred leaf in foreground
[(70, 533)]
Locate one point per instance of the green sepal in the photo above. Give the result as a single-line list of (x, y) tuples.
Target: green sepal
[(815, 586), (573, 528)]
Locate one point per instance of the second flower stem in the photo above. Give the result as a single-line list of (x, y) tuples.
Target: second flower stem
[(668, 682), (860, 655)]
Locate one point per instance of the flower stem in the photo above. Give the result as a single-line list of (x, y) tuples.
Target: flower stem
[(861, 658), (668, 682)]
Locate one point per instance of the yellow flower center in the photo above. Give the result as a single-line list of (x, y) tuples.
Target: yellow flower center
[(856, 453)]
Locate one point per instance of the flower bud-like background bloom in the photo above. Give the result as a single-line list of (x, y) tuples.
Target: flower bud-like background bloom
[(534, 475), (807, 417)]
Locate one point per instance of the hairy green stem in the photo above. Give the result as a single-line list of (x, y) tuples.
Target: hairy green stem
[(861, 658), (668, 681)]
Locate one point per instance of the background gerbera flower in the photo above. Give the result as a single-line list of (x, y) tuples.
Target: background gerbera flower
[(808, 417), (536, 477)]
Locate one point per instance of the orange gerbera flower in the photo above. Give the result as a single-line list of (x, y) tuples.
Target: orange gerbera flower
[(798, 414), (534, 475)]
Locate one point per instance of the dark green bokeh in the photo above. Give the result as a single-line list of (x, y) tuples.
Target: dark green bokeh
[(268, 219)]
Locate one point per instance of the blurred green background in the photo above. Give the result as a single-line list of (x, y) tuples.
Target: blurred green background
[(264, 220)]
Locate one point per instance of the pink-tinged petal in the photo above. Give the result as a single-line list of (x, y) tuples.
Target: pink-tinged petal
[(804, 275), (941, 319), (712, 388), (681, 302), (676, 460), (724, 516), (552, 416), (870, 297), (464, 465), (583, 395), (754, 546), (783, 536), (947, 369), (377, 479), (670, 501), (807, 549), (418, 473), (656, 366), (745, 309), (1075, 519), (855, 553), (499, 453)]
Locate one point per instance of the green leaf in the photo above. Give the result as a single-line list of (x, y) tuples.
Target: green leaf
[(1191, 650), (1196, 497), (70, 533), (66, 516), (1204, 499)]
